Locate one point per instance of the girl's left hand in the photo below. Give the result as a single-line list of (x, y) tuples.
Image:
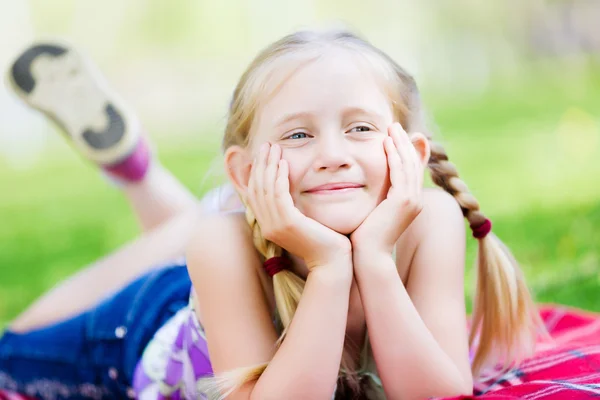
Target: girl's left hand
[(380, 231)]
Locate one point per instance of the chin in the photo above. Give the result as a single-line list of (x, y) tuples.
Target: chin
[(341, 222)]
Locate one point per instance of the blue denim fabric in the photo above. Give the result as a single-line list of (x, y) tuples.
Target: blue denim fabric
[(93, 355)]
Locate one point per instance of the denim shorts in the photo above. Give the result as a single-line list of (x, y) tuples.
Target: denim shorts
[(94, 354)]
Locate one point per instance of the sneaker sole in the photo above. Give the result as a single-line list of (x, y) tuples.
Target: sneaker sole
[(60, 82)]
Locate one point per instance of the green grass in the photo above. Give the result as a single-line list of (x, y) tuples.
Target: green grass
[(528, 154)]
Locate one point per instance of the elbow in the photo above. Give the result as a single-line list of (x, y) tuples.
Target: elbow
[(466, 386), (458, 383), (440, 387), (463, 386), (461, 390)]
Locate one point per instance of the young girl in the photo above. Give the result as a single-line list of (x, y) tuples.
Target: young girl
[(338, 275)]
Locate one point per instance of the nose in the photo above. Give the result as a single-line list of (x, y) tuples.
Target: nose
[(332, 153)]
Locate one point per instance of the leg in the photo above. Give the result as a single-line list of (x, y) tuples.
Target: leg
[(66, 86), (158, 197), (99, 280)]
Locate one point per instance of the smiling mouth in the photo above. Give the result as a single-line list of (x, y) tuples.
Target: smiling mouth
[(335, 189)]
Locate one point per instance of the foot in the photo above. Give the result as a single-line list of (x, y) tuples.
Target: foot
[(60, 82)]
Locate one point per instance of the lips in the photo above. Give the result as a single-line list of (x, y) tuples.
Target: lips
[(333, 187)]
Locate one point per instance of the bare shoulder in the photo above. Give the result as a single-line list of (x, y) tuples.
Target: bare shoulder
[(439, 207), (216, 235), (440, 227), (441, 215), (221, 254), (441, 221)]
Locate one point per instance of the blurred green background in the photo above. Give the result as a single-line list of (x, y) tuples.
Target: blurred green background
[(513, 91)]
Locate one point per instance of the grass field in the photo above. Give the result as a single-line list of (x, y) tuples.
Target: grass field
[(529, 155)]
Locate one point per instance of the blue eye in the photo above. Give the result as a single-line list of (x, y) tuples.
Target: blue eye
[(361, 128), (297, 135)]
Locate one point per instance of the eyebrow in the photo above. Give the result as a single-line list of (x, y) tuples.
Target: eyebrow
[(345, 113), (360, 110), (289, 117)]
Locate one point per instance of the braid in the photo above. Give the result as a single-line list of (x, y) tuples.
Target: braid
[(445, 175), (266, 248), (505, 321), (287, 285)]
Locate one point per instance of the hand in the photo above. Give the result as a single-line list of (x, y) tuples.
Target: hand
[(381, 229), (282, 223)]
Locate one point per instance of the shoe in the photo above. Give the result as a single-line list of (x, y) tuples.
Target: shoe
[(62, 83)]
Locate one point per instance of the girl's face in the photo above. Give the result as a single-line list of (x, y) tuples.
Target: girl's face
[(330, 118)]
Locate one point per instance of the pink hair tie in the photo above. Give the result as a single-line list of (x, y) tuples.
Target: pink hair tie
[(275, 265), (482, 230)]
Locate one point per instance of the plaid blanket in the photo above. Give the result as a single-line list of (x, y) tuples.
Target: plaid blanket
[(569, 368), (12, 396)]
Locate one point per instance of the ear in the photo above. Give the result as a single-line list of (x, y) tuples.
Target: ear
[(238, 166), (422, 147)]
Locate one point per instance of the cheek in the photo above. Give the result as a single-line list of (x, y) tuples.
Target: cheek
[(377, 171), (297, 170)]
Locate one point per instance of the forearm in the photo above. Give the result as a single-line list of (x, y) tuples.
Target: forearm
[(307, 363), (410, 362)]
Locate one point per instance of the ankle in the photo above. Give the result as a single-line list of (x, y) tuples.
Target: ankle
[(135, 166)]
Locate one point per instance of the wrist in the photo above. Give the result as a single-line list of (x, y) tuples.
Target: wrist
[(370, 255), (336, 272), (339, 256), (371, 247), (372, 260)]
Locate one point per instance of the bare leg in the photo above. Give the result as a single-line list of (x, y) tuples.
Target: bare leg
[(64, 84), (92, 284), (158, 197), (97, 281)]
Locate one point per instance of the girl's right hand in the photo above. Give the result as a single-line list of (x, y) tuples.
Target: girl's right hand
[(282, 223)]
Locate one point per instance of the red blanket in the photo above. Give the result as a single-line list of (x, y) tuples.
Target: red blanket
[(12, 396), (570, 369)]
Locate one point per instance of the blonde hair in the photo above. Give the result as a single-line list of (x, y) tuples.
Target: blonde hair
[(504, 319)]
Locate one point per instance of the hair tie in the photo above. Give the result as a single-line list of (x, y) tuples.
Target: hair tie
[(482, 230), (275, 265)]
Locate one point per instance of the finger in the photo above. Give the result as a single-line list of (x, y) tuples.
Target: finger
[(288, 215), (419, 167), (394, 162), (403, 144), (393, 135), (269, 180), (284, 201), (418, 163), (400, 138), (250, 190), (259, 184)]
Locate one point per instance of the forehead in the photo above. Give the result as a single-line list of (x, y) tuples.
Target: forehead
[(325, 85)]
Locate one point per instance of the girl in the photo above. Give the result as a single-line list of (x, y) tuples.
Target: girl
[(338, 275)]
